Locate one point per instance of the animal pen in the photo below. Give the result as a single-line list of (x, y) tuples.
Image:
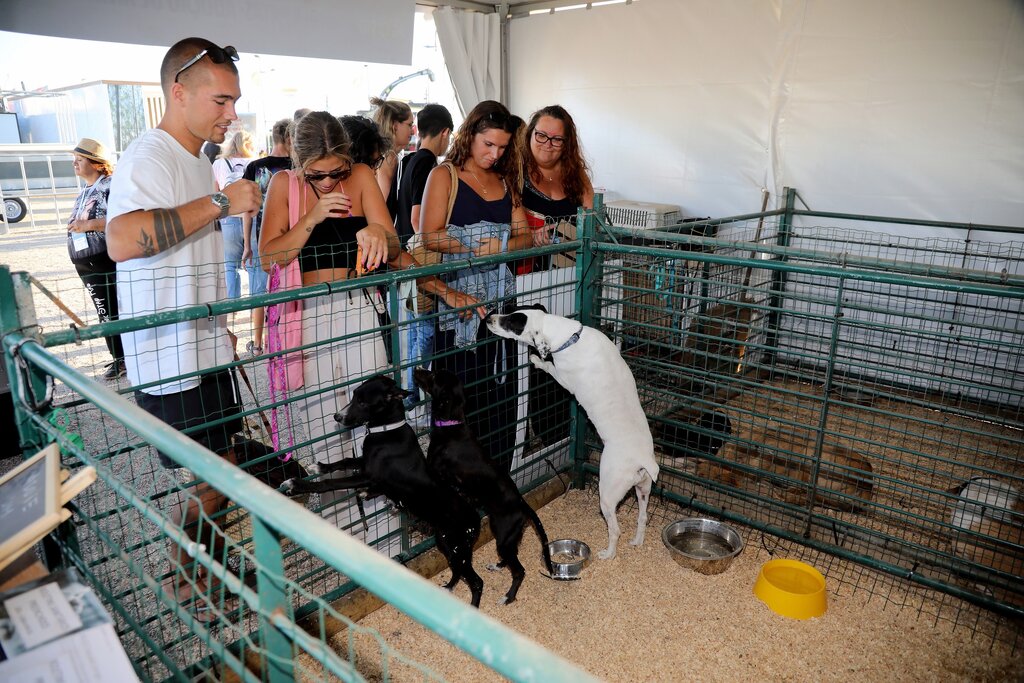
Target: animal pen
[(854, 394)]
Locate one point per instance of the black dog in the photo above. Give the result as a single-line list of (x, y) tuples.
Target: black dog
[(682, 442), (393, 465), (455, 457)]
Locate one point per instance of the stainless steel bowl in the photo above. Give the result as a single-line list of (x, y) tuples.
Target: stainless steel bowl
[(568, 558), (704, 545)]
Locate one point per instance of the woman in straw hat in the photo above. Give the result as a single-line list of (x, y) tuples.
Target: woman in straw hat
[(87, 244)]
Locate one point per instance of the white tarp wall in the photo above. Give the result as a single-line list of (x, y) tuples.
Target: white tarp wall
[(912, 108)]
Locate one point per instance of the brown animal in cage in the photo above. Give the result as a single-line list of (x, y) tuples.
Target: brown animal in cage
[(845, 479)]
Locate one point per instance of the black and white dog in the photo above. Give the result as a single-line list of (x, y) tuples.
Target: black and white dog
[(586, 363), (392, 464), (456, 458)]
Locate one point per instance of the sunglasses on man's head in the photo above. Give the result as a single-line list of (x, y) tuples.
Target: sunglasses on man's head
[(218, 55), (340, 174)]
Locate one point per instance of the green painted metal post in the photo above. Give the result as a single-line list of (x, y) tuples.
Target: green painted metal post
[(279, 666), (779, 278), (586, 292), (17, 313)]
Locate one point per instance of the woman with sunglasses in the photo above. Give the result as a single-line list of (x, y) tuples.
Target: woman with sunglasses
[(328, 214), (487, 158), (397, 125)]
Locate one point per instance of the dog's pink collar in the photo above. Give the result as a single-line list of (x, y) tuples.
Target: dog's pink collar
[(447, 423)]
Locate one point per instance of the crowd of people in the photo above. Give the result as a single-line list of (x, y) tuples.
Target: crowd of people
[(334, 198)]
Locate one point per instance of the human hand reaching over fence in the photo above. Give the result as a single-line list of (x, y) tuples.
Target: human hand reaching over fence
[(459, 299), (373, 241)]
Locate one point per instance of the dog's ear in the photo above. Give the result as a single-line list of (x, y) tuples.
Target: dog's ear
[(424, 379)]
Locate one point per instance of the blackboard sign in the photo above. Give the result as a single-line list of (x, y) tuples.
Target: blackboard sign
[(30, 503)]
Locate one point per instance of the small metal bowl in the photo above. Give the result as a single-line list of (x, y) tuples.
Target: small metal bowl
[(568, 558), (704, 545)]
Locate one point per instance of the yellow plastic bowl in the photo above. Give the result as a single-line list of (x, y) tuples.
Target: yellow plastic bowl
[(791, 588)]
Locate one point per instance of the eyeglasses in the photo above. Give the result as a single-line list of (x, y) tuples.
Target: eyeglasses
[(340, 174), (218, 55), (543, 138)]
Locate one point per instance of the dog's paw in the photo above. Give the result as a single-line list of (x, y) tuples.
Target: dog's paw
[(287, 487), (315, 468), (637, 540), (606, 554), (503, 600), (494, 567)]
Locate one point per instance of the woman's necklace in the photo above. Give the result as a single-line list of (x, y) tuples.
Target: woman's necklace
[(483, 188)]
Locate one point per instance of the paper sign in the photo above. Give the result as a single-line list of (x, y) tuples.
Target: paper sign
[(41, 614), (88, 656), (80, 241)]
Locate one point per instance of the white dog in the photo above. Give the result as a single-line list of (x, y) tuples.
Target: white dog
[(586, 363)]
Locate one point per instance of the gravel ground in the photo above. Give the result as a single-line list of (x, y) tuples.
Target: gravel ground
[(641, 617)]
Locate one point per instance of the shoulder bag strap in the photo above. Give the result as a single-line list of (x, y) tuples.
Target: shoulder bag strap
[(454, 190)]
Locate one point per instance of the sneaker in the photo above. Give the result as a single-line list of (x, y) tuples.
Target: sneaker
[(116, 370), (253, 350)]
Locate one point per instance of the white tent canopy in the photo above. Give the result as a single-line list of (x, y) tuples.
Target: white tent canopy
[(912, 109)]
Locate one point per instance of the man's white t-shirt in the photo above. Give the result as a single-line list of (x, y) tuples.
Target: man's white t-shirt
[(156, 172)]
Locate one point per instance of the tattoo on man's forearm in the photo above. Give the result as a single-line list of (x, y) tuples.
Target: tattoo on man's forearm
[(146, 244), (168, 228)]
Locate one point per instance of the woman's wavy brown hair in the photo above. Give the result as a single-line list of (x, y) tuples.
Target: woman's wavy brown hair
[(575, 172), (317, 135), (485, 116)]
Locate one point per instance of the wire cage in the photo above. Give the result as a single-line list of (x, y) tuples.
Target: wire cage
[(856, 394), (236, 589)]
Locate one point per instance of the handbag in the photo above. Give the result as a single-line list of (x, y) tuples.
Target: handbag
[(83, 246), (425, 257)]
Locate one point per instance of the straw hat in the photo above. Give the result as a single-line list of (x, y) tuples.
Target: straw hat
[(93, 150)]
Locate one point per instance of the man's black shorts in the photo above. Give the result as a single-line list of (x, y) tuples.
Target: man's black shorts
[(216, 397)]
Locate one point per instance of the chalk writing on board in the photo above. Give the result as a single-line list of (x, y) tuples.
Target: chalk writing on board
[(22, 500)]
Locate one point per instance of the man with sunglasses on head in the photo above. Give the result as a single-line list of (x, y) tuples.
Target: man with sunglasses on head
[(161, 229)]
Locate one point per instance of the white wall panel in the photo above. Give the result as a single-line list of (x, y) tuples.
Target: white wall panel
[(913, 108)]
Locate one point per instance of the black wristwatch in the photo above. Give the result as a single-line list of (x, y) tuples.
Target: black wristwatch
[(220, 200)]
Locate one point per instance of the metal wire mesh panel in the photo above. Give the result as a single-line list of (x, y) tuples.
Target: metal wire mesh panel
[(856, 393)]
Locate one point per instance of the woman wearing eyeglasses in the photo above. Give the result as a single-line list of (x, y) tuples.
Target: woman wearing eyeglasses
[(328, 216), (397, 125), (556, 181), (486, 218)]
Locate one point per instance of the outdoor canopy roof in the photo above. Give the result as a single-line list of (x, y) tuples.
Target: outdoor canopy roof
[(356, 30)]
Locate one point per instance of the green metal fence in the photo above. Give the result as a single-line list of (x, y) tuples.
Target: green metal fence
[(256, 598), (872, 384), (869, 382)]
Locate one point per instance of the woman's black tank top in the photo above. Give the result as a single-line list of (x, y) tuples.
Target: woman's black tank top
[(332, 244), (471, 208)]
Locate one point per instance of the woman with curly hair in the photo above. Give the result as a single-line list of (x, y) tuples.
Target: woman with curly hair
[(487, 217), (556, 181)]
